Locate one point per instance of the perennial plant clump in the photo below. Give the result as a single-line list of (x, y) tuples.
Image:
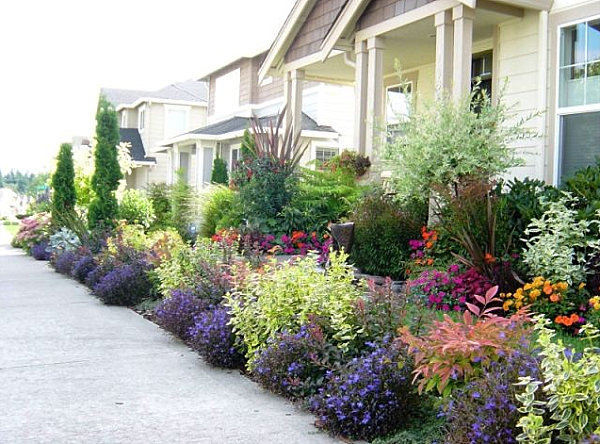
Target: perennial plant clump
[(125, 285), (39, 251), (212, 336), (176, 313), (63, 262), (83, 267), (370, 396)]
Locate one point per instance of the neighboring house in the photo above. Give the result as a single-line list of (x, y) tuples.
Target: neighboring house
[(235, 95), (148, 117), (548, 52)]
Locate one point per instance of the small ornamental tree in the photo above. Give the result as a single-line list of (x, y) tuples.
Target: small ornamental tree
[(105, 181), (219, 172), (64, 196)]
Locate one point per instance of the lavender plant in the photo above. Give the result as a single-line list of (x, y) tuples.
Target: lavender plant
[(125, 285), (212, 336), (63, 262), (38, 251), (83, 267)]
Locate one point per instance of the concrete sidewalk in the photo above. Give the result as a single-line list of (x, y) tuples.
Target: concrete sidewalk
[(75, 371)]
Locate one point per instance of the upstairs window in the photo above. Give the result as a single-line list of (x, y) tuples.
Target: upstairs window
[(142, 118), (227, 93), (176, 120)]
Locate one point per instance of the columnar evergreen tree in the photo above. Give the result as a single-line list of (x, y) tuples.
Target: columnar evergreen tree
[(219, 172), (248, 145), (107, 173), (1, 180), (64, 196), (182, 206)]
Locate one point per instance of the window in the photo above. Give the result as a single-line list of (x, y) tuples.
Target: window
[(481, 72), (398, 102), (323, 154), (578, 97), (176, 120), (234, 157), (124, 118), (142, 118), (184, 166), (227, 93)]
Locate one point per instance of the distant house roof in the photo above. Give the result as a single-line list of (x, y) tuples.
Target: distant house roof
[(189, 91), (237, 123), (137, 151)]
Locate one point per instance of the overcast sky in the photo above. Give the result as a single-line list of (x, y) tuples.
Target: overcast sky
[(56, 55)]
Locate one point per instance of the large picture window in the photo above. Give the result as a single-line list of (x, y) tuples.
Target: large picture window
[(578, 96), (176, 121)]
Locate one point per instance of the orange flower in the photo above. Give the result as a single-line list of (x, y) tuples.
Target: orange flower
[(574, 318), (548, 288), (429, 261), (489, 259), (554, 297), (429, 244)]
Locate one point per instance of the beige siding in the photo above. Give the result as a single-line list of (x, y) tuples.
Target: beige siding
[(518, 64), (381, 10), (314, 29), (159, 172), (197, 117), (247, 80)]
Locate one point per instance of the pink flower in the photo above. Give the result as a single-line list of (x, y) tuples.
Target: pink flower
[(446, 307)]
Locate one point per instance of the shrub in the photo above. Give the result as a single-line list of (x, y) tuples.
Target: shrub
[(63, 262), (136, 208), (282, 297), (125, 285), (447, 143), (219, 172), (559, 245), (453, 352), (218, 210), (584, 184), (571, 391), (32, 230), (64, 197), (38, 251), (183, 204), (294, 365), (212, 336), (63, 240), (370, 396), (83, 267), (160, 198), (382, 231), (485, 409), (177, 312)]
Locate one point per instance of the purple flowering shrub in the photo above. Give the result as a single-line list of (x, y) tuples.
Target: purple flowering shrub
[(450, 289), (294, 365), (592, 439), (38, 251), (485, 409), (63, 262), (370, 396), (127, 284), (212, 336), (83, 267), (177, 312)]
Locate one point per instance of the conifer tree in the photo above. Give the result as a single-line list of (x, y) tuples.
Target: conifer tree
[(219, 172), (103, 209), (64, 196)]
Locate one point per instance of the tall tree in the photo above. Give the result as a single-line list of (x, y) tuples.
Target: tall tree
[(107, 173), (63, 184), (1, 180), (219, 172)]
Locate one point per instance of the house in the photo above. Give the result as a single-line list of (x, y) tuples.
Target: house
[(148, 117), (547, 51), (235, 95)]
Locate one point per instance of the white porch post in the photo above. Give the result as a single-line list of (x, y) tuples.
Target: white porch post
[(375, 101), (199, 169), (360, 94), (463, 50), (444, 37), (287, 98), (175, 162), (297, 80)]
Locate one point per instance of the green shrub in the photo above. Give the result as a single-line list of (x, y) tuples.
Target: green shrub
[(183, 207), (321, 197), (136, 208), (219, 172), (218, 210), (382, 230), (160, 198), (585, 185), (283, 297), (571, 387), (63, 185), (558, 245), (349, 161)]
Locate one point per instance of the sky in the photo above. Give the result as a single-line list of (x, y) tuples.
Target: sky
[(56, 55)]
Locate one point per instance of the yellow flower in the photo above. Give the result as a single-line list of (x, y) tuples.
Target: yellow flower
[(527, 287), (597, 306), (581, 286), (535, 294), (507, 305), (519, 304), (563, 286)]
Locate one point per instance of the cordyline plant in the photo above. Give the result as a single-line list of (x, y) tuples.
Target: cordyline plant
[(454, 352)]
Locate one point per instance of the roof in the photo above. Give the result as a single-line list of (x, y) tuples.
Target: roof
[(137, 151), (238, 123), (188, 91)]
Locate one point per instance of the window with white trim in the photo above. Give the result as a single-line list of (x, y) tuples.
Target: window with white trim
[(398, 103), (234, 156), (142, 118), (227, 93), (124, 118), (323, 154), (578, 115), (176, 120)]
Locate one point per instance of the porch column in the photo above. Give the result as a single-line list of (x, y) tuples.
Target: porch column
[(198, 179), (175, 163), (463, 50), (375, 103), (287, 99), (444, 37), (297, 81), (360, 96)]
